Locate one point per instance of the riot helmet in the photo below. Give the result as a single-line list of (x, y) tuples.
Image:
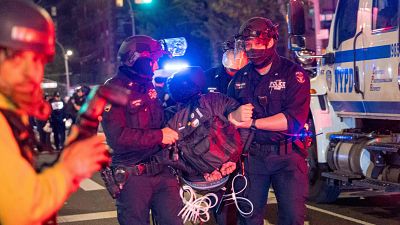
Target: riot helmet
[(25, 26), (56, 94), (258, 31), (187, 83), (259, 27), (140, 53), (26, 29), (85, 90), (233, 60), (228, 45)]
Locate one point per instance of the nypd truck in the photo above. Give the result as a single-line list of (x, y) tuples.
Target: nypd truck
[(355, 98)]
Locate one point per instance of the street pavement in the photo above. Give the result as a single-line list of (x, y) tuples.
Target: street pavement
[(92, 205)]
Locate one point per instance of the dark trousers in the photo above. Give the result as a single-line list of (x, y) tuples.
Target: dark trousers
[(288, 176), (44, 136), (227, 212), (59, 134), (159, 193)]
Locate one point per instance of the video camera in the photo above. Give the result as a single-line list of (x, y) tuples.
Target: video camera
[(90, 112)]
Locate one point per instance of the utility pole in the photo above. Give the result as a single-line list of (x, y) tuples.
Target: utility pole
[(317, 19), (66, 54), (132, 14)]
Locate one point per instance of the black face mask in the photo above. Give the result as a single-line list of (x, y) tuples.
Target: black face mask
[(261, 57), (143, 67)]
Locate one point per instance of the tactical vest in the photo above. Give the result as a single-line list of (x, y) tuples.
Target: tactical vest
[(207, 140), (143, 111)]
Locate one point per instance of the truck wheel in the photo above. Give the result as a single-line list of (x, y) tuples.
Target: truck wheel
[(319, 189)]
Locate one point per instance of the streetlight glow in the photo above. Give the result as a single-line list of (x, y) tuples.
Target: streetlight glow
[(69, 52)]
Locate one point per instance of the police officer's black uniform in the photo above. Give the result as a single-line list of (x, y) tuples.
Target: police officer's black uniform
[(71, 111), (134, 133), (57, 122), (217, 79), (273, 157)]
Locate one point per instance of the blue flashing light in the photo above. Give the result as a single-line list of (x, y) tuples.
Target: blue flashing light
[(340, 137), (143, 1), (175, 66)]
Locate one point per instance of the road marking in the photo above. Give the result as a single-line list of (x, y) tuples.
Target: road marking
[(338, 215), (87, 216), (266, 222), (272, 200), (90, 185)]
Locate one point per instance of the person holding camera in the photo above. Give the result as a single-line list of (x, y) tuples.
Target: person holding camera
[(135, 133), (28, 197)]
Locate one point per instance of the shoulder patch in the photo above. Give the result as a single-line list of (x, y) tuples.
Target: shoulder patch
[(136, 103), (152, 93), (300, 77)]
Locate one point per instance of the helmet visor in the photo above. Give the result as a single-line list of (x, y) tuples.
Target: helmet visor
[(234, 59)]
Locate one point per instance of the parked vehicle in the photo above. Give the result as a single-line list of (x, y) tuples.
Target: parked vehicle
[(355, 104)]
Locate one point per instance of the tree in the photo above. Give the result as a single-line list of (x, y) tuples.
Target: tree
[(219, 20), (208, 23)]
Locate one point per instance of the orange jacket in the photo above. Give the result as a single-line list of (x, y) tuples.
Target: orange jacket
[(27, 197)]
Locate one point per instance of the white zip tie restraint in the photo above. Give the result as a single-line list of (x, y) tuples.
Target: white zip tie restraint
[(196, 209), (232, 196)]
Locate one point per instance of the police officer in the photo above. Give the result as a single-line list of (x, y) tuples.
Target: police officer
[(28, 197), (218, 78), (57, 120), (76, 101), (135, 134), (44, 135), (185, 88), (274, 93)]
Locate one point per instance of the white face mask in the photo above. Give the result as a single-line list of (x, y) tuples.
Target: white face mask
[(234, 60)]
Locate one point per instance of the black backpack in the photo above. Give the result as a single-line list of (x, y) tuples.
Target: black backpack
[(207, 139)]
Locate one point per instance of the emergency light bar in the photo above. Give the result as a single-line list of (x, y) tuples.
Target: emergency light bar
[(175, 66)]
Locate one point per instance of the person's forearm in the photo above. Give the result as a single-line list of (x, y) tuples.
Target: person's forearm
[(77, 107), (276, 122)]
